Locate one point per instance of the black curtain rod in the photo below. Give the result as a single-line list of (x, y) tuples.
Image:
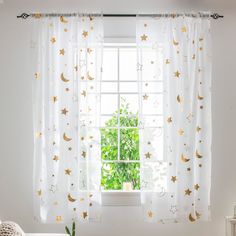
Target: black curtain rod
[(38, 15)]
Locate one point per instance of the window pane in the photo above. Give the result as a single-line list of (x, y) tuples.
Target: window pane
[(107, 87), (131, 87), (109, 143), (109, 104), (114, 175), (109, 121), (129, 121), (128, 104), (129, 144), (110, 64), (128, 64)]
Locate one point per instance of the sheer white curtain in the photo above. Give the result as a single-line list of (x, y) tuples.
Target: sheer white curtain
[(175, 52), (67, 63)]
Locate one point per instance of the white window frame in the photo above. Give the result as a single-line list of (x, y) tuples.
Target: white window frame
[(120, 197)]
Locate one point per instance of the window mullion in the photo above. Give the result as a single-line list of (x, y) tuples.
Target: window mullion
[(118, 66)]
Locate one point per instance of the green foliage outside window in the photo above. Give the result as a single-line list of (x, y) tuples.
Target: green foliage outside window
[(115, 174)]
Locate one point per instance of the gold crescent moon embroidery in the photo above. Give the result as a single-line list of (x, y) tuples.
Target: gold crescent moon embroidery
[(70, 198), (63, 20), (200, 97), (63, 78), (66, 138), (184, 158), (89, 77), (175, 43), (191, 218), (179, 99), (198, 155), (198, 215)]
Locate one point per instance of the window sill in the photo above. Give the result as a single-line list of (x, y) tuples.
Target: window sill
[(120, 198)]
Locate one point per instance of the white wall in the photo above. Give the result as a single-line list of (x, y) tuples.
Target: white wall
[(16, 145)]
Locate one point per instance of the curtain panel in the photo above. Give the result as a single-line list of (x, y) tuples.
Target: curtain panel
[(174, 56), (67, 57)]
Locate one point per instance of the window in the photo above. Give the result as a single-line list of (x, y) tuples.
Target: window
[(120, 121)]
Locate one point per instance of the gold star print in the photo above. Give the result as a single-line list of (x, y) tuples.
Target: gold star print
[(58, 219), (177, 74), (55, 158), (76, 68), (150, 214), (145, 97), (85, 214), (36, 75), (180, 131), (39, 192), (83, 154), (89, 50), (188, 192), (83, 93), (53, 40), (173, 179), (167, 61), (64, 111), (148, 155), (38, 134), (85, 33), (144, 37), (184, 29), (67, 172), (196, 187), (198, 129), (62, 52), (169, 119), (54, 99)]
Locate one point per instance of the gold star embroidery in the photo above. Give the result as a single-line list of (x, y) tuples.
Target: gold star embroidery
[(173, 179), (36, 75), (188, 169), (167, 61), (53, 40), (83, 154), (144, 37), (85, 214), (54, 99), (150, 214), (175, 43), (55, 158), (177, 74), (184, 29), (198, 129), (179, 99), (188, 192), (76, 68), (89, 50), (83, 93), (62, 52), (148, 155), (145, 97), (169, 119), (67, 172), (64, 111), (85, 33), (39, 192), (180, 131), (58, 219), (38, 134), (196, 187)]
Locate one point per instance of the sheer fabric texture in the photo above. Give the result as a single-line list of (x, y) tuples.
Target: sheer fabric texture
[(175, 53), (67, 73)]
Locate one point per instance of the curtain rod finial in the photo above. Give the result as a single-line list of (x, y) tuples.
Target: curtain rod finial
[(23, 16)]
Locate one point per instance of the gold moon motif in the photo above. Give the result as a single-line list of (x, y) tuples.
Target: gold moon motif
[(175, 43), (63, 20), (199, 97), (179, 99), (89, 77), (198, 155), (191, 218), (184, 159), (70, 198), (63, 78), (66, 138)]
